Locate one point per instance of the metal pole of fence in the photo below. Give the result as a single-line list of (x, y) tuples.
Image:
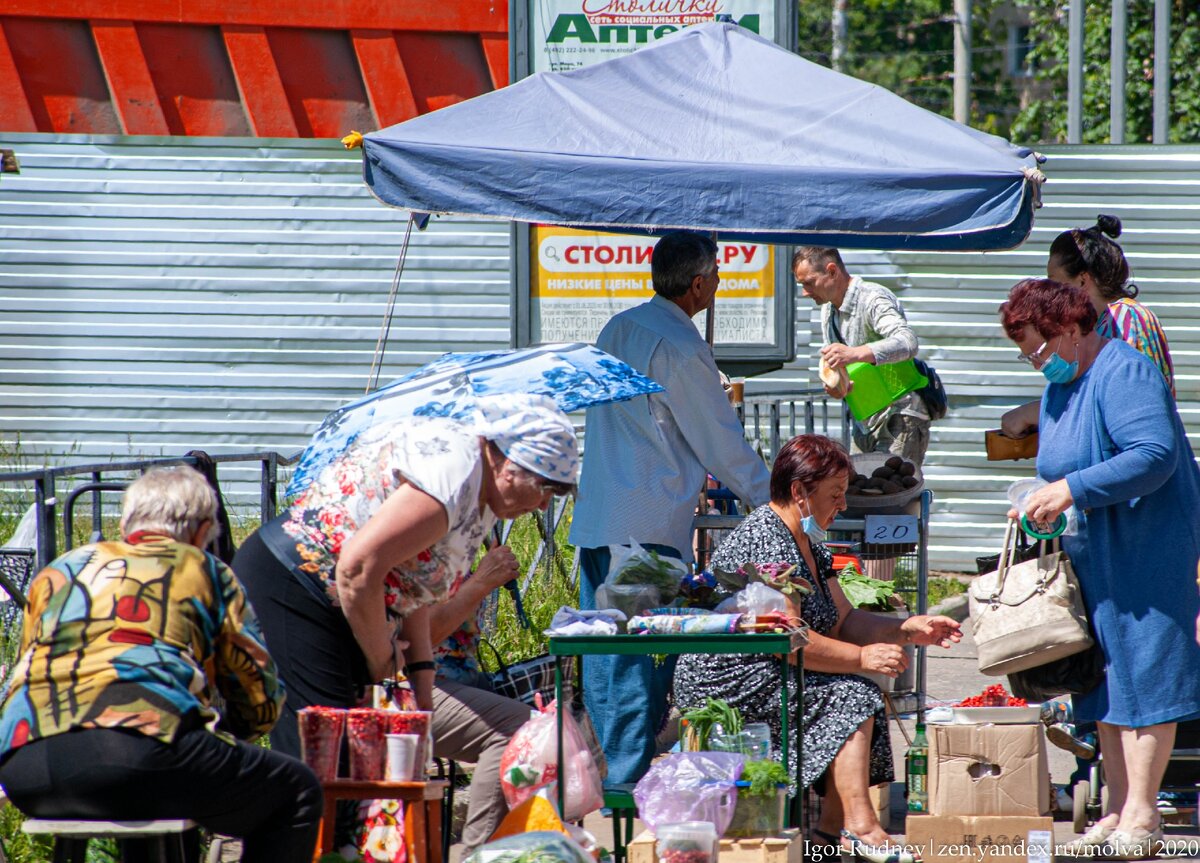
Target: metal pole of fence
[(1075, 72), (1162, 71), (268, 487), (774, 429), (1116, 123), (47, 528), (97, 521)]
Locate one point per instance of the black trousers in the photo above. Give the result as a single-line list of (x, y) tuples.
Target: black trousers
[(310, 640), (272, 801)]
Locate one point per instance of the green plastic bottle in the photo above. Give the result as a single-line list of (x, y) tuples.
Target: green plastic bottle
[(918, 772)]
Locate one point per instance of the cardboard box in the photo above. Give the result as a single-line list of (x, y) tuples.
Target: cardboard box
[(981, 839), (785, 848), (881, 802), (988, 770)]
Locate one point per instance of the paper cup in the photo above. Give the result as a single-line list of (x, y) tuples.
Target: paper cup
[(365, 730), (402, 756), (321, 731)]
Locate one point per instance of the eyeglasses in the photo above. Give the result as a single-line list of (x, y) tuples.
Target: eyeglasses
[(1034, 358), (558, 489)]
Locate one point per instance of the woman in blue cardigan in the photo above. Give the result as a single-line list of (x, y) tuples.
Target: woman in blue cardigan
[(1112, 446)]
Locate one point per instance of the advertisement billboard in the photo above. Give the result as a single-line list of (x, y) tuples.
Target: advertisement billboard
[(581, 279)]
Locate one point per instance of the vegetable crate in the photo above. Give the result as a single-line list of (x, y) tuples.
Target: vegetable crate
[(787, 847)]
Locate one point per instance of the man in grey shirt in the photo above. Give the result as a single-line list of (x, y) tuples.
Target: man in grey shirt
[(862, 322)]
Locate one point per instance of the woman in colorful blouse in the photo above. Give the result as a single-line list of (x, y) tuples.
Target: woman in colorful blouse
[(346, 578), (110, 712), (1088, 258)]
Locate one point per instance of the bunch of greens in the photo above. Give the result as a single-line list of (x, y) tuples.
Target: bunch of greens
[(779, 576), (764, 776), (653, 570), (869, 594), (701, 721)]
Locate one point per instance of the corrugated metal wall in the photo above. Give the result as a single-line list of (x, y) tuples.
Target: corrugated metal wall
[(163, 294), (160, 294)]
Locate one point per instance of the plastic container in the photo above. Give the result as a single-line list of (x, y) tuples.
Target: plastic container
[(998, 715), (688, 842), (321, 730), (365, 730), (758, 815), (876, 387)]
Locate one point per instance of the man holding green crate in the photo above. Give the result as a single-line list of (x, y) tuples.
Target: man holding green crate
[(863, 322)]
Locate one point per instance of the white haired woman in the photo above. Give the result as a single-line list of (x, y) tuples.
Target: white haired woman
[(109, 712)]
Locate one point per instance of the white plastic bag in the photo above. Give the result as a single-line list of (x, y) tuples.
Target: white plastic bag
[(756, 598), (530, 762)]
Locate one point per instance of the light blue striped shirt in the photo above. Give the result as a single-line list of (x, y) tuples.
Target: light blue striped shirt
[(645, 459)]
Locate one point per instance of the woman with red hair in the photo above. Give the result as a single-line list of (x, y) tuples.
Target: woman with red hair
[(845, 739), (1112, 446)]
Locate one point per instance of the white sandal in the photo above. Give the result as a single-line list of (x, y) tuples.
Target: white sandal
[(1130, 846), (1090, 843)]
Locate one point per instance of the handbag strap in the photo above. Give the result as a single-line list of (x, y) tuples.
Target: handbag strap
[(500, 666), (1006, 557)]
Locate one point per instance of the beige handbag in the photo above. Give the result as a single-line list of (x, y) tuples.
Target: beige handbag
[(1027, 614)]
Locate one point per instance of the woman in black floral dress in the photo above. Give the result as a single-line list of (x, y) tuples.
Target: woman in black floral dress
[(846, 746)]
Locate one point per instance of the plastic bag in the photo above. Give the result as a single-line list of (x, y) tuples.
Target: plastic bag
[(690, 786), (632, 566), (530, 762), (756, 598), (537, 847), (1020, 491)]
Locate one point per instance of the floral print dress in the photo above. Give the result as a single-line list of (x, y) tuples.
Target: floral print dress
[(835, 705), (440, 457)]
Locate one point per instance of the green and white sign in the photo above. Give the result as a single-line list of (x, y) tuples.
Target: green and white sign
[(571, 34)]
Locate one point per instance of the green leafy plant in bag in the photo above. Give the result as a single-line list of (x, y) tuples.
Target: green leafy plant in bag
[(869, 594)]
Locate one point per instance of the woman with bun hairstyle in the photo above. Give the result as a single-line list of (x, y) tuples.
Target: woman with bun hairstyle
[(1088, 258)]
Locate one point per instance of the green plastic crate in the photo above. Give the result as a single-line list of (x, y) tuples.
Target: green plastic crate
[(876, 387)]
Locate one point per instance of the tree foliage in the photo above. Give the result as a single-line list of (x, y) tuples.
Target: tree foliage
[(907, 46), (1045, 118)]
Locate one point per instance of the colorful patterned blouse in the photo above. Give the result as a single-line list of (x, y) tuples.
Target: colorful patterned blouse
[(139, 635), (440, 457), (1133, 323)]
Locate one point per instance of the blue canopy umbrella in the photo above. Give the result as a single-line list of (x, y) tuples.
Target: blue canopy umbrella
[(576, 376), (712, 129)]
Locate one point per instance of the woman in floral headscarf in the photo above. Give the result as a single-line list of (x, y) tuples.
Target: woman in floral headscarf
[(344, 580)]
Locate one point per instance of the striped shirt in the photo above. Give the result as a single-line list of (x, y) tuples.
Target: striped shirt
[(1137, 326)]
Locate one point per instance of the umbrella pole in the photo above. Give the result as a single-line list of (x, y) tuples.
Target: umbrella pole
[(386, 326), (710, 316)]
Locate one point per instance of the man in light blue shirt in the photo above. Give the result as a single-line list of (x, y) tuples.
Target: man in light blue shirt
[(645, 463)]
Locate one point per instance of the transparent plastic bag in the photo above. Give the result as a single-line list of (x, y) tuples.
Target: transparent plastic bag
[(1021, 490), (542, 846), (530, 762), (690, 786), (756, 598)]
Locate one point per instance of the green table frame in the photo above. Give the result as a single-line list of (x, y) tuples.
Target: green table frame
[(778, 644)]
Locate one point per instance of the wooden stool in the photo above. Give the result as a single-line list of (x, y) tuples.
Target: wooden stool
[(163, 840), (422, 813)]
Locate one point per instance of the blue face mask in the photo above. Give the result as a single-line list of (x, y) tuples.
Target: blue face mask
[(1059, 371), (809, 525)]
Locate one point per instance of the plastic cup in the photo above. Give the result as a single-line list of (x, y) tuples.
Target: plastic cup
[(321, 731), (758, 740), (365, 730), (418, 722), (737, 390), (402, 752)]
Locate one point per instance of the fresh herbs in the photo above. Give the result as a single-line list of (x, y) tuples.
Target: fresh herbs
[(700, 722), (649, 568), (869, 594), (764, 777)]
